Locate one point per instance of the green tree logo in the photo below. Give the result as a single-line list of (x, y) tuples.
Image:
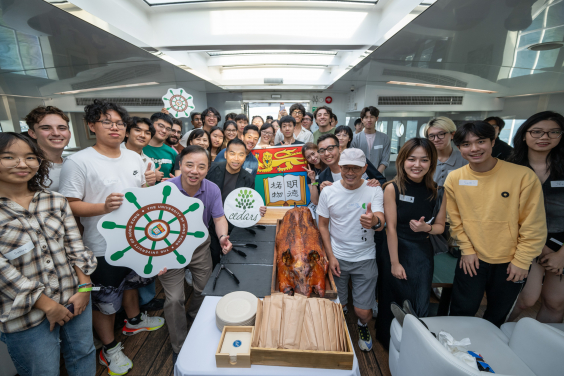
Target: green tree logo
[(244, 200)]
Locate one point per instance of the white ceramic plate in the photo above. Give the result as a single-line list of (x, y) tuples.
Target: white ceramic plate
[(236, 308)]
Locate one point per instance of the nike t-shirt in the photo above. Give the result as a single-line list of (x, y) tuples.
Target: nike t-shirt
[(92, 177)]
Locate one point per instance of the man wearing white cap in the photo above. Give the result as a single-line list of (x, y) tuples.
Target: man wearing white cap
[(355, 210)]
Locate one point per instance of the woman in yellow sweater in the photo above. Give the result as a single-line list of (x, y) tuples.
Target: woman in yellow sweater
[(496, 212), (538, 145)]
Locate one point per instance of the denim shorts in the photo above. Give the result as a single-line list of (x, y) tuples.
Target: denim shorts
[(113, 281)]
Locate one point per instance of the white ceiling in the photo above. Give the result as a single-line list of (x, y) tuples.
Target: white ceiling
[(307, 44)]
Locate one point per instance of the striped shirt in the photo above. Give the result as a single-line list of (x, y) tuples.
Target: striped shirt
[(38, 249)]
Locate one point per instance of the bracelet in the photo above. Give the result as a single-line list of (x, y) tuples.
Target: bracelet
[(85, 284), (428, 232), (85, 289), (221, 237), (316, 183)]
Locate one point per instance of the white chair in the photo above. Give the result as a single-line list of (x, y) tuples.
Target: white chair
[(532, 349)]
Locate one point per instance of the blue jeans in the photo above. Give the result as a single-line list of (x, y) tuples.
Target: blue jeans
[(146, 293), (37, 351)]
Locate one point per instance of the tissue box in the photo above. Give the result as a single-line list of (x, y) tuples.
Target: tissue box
[(228, 356)]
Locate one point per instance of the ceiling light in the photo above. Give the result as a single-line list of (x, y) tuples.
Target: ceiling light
[(545, 46), (271, 52), (441, 87), (289, 75), (173, 2), (106, 88), (528, 95), (19, 96)]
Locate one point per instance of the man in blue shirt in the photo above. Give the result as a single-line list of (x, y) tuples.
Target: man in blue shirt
[(250, 138)]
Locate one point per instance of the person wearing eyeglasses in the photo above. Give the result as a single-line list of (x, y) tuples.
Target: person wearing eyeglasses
[(355, 210), (501, 150), (229, 131), (328, 148), (440, 131), (175, 135), (210, 118), (307, 121), (538, 145), (297, 111), (162, 155), (266, 136), (93, 180), (497, 216), (49, 126)]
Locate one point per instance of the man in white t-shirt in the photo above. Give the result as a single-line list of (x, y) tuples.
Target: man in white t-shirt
[(49, 126), (138, 133), (354, 211), (92, 180)]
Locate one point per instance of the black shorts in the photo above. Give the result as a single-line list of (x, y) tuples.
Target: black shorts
[(555, 241), (111, 281)]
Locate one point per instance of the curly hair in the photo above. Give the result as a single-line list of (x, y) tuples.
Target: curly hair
[(93, 112), (38, 113), (40, 180)]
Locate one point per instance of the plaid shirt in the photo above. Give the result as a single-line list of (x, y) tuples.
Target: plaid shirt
[(49, 231)]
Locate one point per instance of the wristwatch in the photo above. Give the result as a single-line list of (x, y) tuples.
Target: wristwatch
[(377, 225)]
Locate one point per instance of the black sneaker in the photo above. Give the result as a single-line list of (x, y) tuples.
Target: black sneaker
[(365, 339), (154, 305)]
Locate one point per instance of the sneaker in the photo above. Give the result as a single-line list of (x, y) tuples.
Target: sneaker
[(115, 360), (375, 309), (147, 324), (188, 277), (364, 340), (154, 305)]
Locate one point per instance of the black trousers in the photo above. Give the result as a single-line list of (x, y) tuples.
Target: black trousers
[(467, 292)]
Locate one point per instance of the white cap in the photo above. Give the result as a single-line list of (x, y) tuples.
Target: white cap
[(352, 156)]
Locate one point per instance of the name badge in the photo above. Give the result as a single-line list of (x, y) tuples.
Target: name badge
[(22, 250), (557, 184), (249, 170), (407, 198), (471, 183), (378, 146), (316, 177)]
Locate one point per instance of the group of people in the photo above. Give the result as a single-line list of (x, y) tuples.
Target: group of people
[(56, 286)]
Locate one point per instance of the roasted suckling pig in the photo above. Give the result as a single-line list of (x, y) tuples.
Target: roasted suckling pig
[(300, 256)]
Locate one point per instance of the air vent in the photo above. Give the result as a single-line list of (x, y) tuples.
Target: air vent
[(129, 102), (118, 75), (420, 100), (437, 79), (274, 81)]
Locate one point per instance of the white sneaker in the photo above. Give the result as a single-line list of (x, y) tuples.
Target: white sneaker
[(375, 309), (115, 360), (188, 277), (147, 324)]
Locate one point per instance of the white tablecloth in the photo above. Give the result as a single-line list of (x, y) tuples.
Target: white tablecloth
[(197, 356)]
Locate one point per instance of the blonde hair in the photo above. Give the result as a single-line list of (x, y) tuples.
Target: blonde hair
[(441, 122)]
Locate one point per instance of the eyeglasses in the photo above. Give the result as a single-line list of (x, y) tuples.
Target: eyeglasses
[(355, 169), (438, 136), (230, 131), (168, 129), (555, 133), (11, 162), (176, 132), (211, 116), (297, 112), (267, 133), (108, 124), (329, 149)]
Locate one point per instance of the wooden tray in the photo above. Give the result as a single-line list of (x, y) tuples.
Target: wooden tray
[(330, 287), (242, 360), (305, 358)]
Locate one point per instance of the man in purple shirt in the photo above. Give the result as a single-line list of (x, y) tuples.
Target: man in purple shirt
[(194, 165)]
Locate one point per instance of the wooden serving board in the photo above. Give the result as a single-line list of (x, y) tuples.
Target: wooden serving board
[(273, 215), (330, 287)]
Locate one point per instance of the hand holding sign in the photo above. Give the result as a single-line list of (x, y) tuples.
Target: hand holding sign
[(243, 207)]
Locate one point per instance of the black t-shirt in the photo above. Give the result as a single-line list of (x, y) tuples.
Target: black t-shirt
[(229, 183)]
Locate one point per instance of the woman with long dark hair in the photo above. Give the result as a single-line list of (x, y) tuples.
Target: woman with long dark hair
[(198, 137), (313, 169), (407, 255), (229, 132), (538, 145), (45, 268), (266, 136), (216, 142)]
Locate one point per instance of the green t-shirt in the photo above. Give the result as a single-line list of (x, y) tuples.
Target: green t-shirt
[(162, 156), (318, 134)]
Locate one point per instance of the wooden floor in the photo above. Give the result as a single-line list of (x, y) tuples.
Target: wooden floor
[(151, 353)]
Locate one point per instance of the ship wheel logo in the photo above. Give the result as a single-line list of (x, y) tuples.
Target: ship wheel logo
[(178, 103), (154, 230)]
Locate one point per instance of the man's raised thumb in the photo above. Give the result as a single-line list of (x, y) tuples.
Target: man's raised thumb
[(369, 208), (422, 219), (158, 168), (149, 167)]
